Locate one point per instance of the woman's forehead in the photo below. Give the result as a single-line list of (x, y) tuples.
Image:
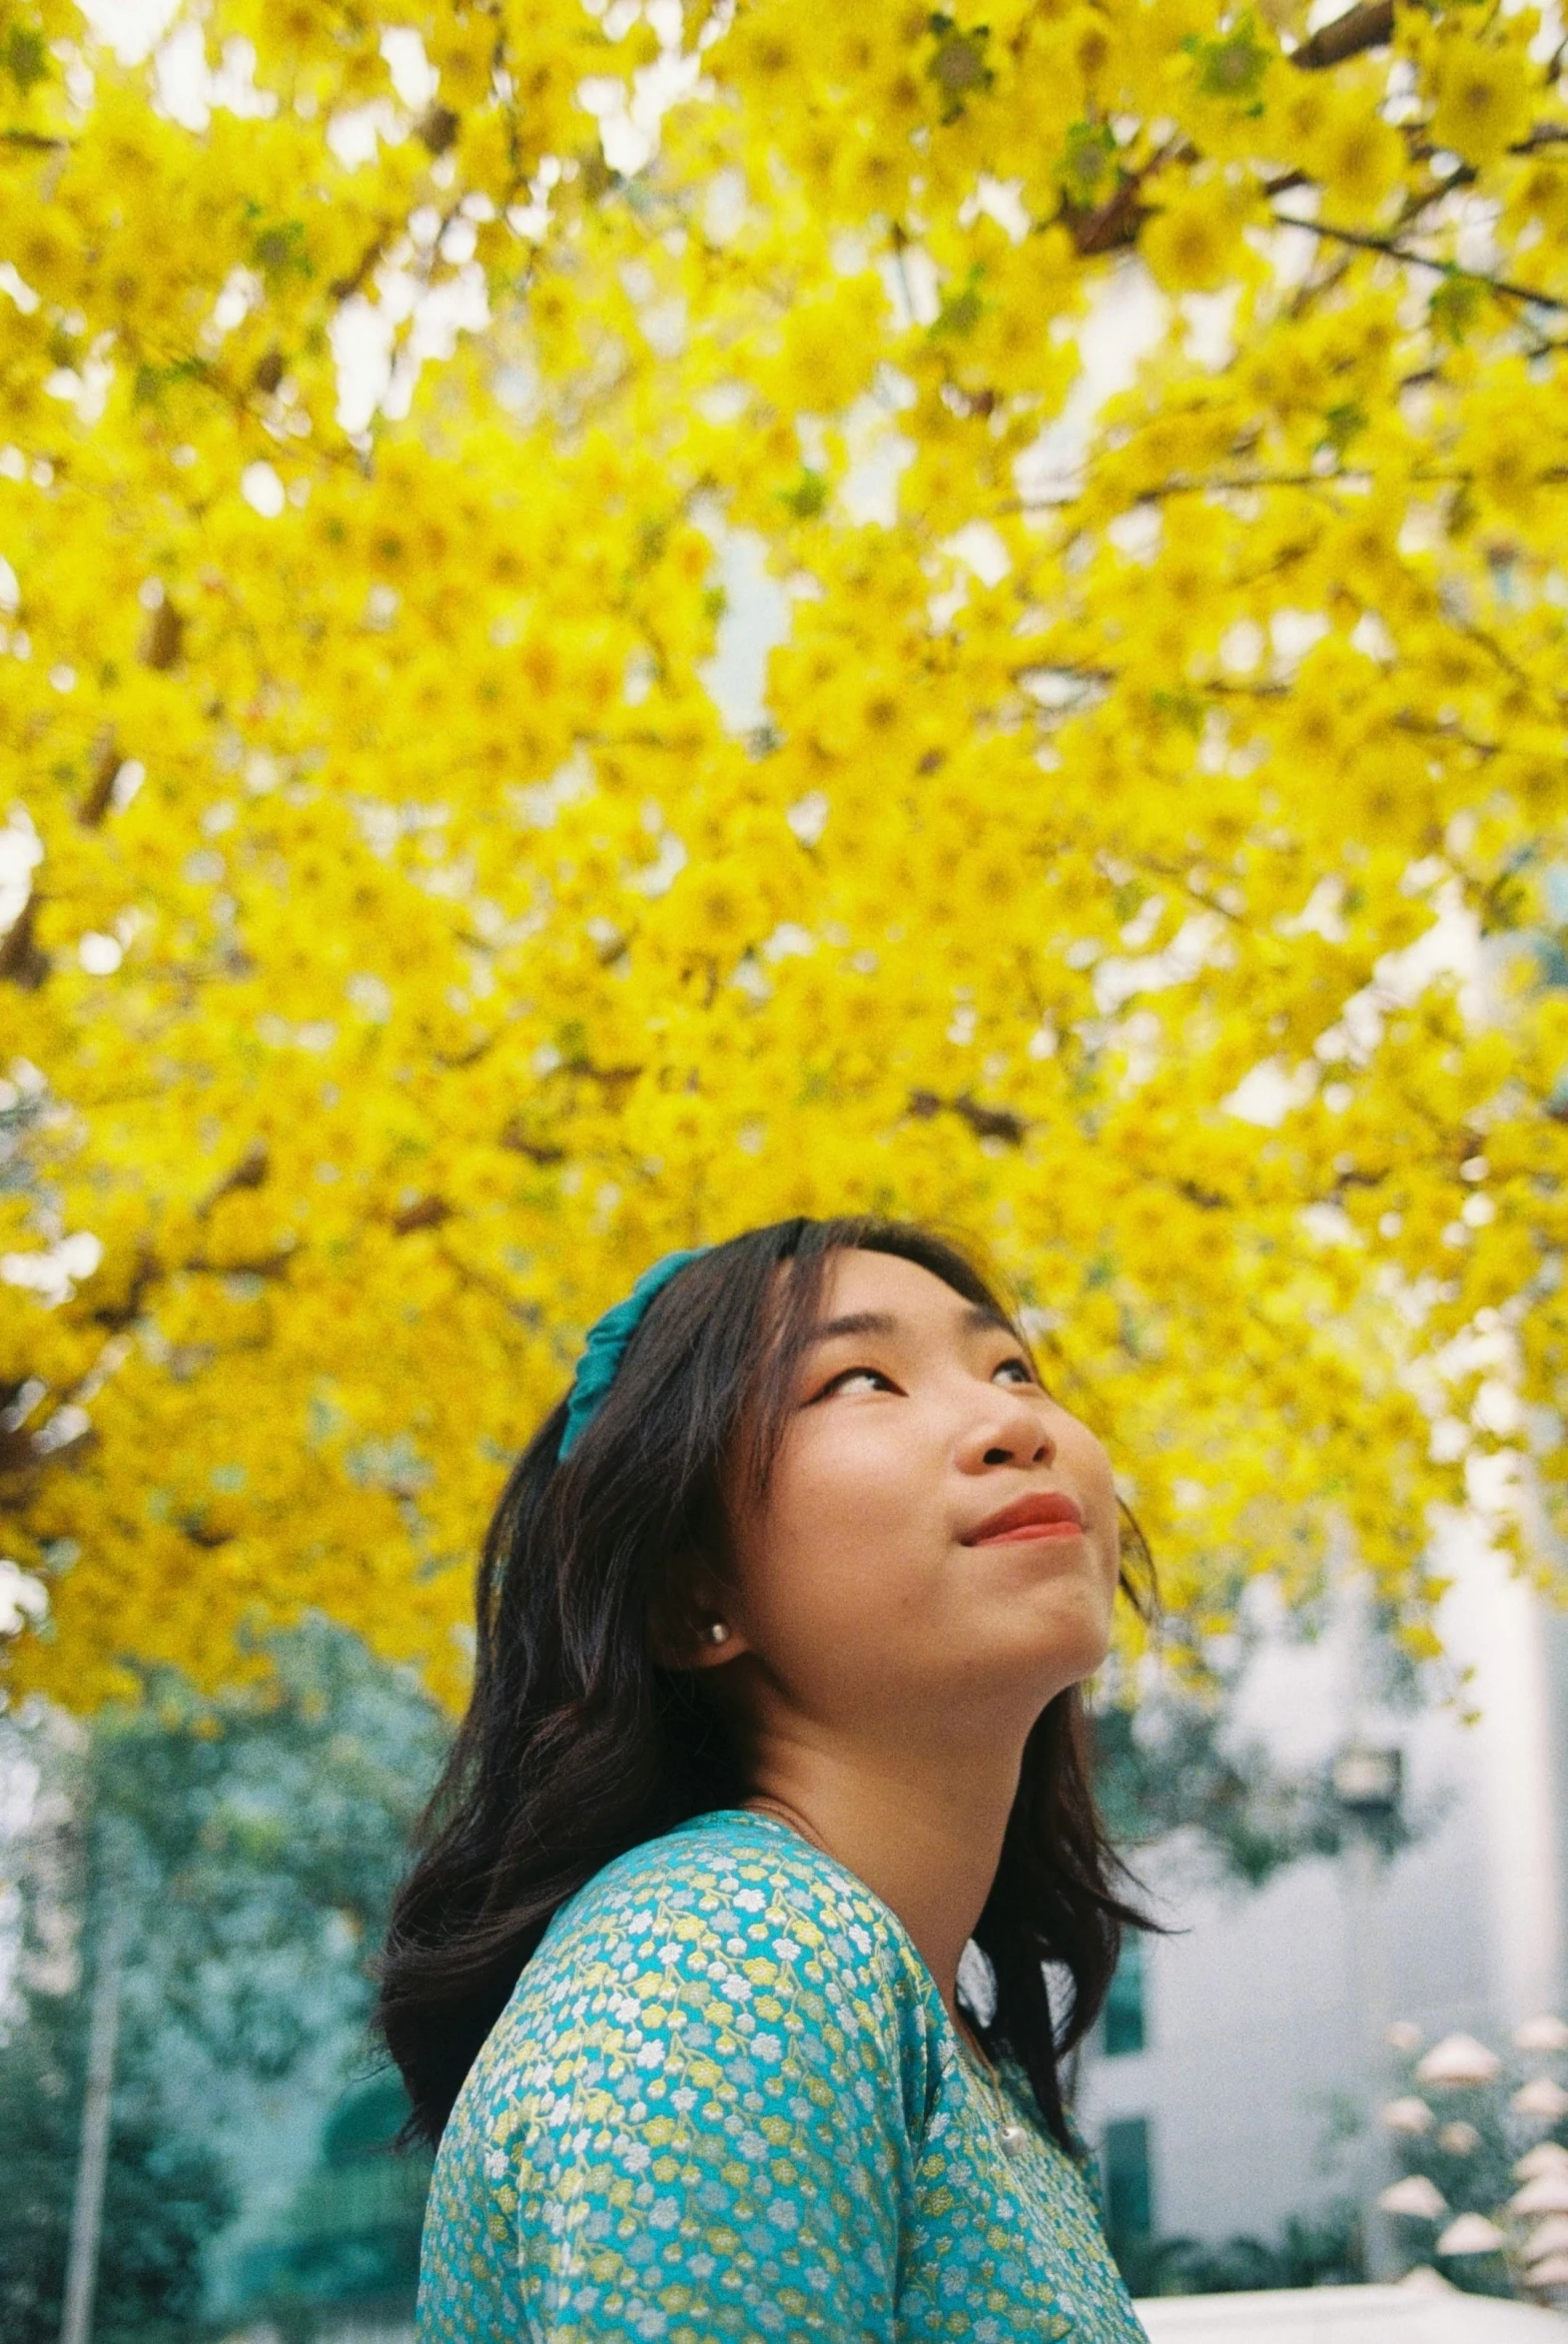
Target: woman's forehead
[(858, 1282)]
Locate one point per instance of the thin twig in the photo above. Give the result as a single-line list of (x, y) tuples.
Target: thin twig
[(1396, 252)]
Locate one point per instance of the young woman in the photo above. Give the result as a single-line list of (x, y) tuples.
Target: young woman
[(720, 1978)]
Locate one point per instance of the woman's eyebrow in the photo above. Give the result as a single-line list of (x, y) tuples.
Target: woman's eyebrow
[(977, 1319), (855, 1323)]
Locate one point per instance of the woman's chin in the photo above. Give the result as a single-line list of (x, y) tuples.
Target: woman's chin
[(1064, 1641)]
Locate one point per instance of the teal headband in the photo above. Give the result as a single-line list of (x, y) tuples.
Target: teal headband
[(606, 1344)]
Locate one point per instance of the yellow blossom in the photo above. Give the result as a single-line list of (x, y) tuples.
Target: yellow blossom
[(1484, 94), (1190, 243), (712, 711)]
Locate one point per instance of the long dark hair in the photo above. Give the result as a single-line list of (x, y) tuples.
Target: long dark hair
[(577, 1745)]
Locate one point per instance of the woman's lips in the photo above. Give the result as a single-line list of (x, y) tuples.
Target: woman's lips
[(1026, 1530), (1043, 1513)]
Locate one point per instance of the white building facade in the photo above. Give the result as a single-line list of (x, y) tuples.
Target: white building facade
[(1262, 2014)]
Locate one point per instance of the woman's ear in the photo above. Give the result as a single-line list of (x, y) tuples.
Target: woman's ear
[(718, 1641), (693, 1630)]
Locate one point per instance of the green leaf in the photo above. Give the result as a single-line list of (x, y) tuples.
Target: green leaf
[(958, 66), (1233, 66), (25, 57), (1454, 306), (280, 252), (1088, 161), (809, 496), (961, 311), (1183, 708)]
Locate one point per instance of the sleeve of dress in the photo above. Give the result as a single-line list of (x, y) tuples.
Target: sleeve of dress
[(723, 2140)]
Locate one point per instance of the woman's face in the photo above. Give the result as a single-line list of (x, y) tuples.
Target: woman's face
[(939, 1540)]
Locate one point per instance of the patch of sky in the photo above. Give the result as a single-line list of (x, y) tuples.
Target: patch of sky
[(263, 490), (1125, 320), (22, 1599), (21, 849), (394, 1464), (1268, 1092), (1199, 943), (51, 1274), (539, 802), (414, 77), (131, 28), (660, 876), (755, 616), (630, 115)]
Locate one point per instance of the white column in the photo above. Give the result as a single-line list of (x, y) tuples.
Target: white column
[(92, 2168), (1494, 1621)]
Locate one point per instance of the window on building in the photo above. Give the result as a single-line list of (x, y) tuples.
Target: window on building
[(1124, 2029), (1129, 2189)]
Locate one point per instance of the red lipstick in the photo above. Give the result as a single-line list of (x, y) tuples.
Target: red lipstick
[(1044, 1513)]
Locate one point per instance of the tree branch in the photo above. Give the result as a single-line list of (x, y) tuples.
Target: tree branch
[(249, 1172), (1396, 252), (343, 287), (22, 958), (1110, 225), (987, 1123), (100, 780), (427, 1213), (526, 1313), (1369, 26)]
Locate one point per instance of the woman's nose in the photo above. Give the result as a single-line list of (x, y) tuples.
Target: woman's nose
[(1013, 1434)]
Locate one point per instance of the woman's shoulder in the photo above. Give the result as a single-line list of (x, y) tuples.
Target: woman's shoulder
[(733, 1939), (754, 1888)]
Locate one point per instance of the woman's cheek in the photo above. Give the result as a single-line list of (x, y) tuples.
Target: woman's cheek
[(838, 1538)]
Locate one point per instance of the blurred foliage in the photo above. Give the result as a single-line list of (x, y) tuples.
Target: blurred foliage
[(166, 2196), (253, 1838), (252, 1841), (1175, 1767), (1136, 853), (1319, 2250), (352, 2236), (264, 1831)]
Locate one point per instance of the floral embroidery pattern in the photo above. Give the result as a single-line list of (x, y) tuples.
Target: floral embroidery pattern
[(725, 2102)]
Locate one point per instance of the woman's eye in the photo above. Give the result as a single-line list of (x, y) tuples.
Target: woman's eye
[(872, 1376), (1019, 1368)]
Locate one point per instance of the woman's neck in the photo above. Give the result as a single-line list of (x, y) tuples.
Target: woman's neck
[(928, 1852)]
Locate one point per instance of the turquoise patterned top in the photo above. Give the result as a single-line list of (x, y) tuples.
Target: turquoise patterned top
[(725, 2101)]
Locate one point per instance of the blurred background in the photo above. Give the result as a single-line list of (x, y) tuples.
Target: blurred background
[(619, 617), (1327, 2072)]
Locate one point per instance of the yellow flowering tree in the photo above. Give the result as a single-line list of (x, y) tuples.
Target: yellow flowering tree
[(1148, 421)]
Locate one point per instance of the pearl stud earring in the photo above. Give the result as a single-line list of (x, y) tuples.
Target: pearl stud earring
[(718, 1633)]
